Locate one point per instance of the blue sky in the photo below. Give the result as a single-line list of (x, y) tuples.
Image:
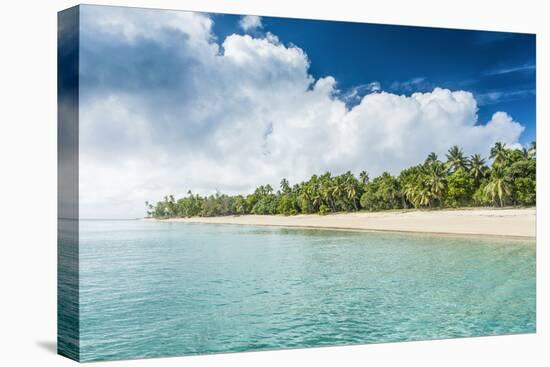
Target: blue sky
[(497, 67), (172, 100)]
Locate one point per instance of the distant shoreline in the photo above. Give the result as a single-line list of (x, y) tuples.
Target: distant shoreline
[(513, 223)]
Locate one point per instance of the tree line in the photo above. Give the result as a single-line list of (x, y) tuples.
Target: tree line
[(459, 181)]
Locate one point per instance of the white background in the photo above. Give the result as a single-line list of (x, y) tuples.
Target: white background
[(28, 182)]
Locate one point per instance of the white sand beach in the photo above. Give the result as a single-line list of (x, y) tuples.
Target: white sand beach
[(518, 223)]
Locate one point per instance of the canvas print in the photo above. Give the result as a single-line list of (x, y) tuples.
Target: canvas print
[(235, 183)]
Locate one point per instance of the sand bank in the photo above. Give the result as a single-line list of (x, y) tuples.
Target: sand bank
[(519, 223)]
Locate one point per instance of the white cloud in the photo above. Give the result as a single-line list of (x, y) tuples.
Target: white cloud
[(409, 85), (250, 22), (355, 94), (247, 112), (137, 24), (513, 69), (503, 96)]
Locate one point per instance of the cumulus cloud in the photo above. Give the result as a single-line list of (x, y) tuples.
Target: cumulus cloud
[(250, 22), (173, 109)]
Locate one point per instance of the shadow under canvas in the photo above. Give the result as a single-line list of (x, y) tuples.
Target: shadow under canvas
[(48, 345)]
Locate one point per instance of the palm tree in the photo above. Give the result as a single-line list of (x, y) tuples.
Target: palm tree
[(240, 205), (432, 157), (424, 197), (285, 187), (411, 191), (352, 196), (305, 199), (436, 181), (477, 167), (149, 208), (326, 193), (499, 153), (317, 199), (456, 159), (336, 188), (533, 149), (418, 194), (498, 186), (364, 177), (350, 189)]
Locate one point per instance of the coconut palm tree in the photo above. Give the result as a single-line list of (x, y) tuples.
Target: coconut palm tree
[(313, 189), (149, 208), (326, 194), (305, 199), (418, 194), (436, 180), (424, 197), (477, 167), (285, 187), (411, 191), (525, 154), (498, 186), (456, 159), (533, 149), (364, 177), (499, 153), (350, 188), (337, 189), (240, 205), (432, 157)]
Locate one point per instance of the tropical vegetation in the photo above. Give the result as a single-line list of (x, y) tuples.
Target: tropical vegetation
[(458, 181)]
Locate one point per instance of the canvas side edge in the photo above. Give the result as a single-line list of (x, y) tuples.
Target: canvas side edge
[(68, 312)]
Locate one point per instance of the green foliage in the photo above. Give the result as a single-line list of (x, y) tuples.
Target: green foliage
[(425, 185), (240, 205), (435, 176), (323, 209), (525, 191), (382, 193), (364, 177), (460, 188), (478, 169), (480, 198), (498, 187), (456, 160), (458, 182), (288, 205), (411, 183), (499, 153), (267, 204), (432, 157)]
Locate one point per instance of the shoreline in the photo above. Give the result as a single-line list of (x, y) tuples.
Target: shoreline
[(504, 223)]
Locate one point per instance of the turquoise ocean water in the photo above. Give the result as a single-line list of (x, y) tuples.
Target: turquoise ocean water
[(151, 289)]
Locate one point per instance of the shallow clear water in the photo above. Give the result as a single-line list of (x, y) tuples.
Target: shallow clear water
[(162, 289)]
